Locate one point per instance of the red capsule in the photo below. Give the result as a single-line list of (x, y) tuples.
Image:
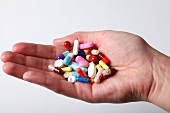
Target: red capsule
[(104, 58), (92, 58), (81, 72), (68, 45)]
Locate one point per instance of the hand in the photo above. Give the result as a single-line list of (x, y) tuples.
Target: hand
[(130, 55)]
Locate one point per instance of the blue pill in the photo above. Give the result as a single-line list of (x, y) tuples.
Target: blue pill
[(74, 66), (81, 53), (74, 73), (66, 53), (67, 60), (82, 79)]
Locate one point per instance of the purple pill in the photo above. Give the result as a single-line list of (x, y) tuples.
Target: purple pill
[(61, 56)]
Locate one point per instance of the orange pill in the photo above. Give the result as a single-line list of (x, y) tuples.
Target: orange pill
[(81, 72), (92, 80)]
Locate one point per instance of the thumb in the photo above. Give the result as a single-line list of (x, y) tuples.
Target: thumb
[(83, 37)]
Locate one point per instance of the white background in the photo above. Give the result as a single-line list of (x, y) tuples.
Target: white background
[(41, 21)]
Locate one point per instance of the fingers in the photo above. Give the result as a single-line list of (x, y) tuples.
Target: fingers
[(18, 70), (38, 50), (81, 36), (59, 86), (34, 62)]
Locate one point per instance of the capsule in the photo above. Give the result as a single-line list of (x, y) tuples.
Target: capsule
[(95, 52), (98, 75), (81, 53), (66, 53), (76, 47), (81, 61), (67, 74), (66, 69), (92, 58), (103, 65), (82, 79), (91, 70), (72, 79), (86, 45), (98, 66), (59, 63), (74, 66), (106, 72), (67, 59), (87, 51), (63, 55), (104, 58), (68, 45), (81, 72), (92, 80), (55, 69)]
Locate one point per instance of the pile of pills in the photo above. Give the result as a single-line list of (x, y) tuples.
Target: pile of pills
[(82, 63)]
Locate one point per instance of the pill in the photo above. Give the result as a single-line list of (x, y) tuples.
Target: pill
[(72, 79), (76, 47), (67, 59), (103, 65), (91, 70), (82, 79), (98, 75), (67, 74), (92, 58), (55, 69), (59, 63), (91, 80), (74, 73), (86, 45), (81, 61), (81, 53), (61, 56), (104, 58), (74, 66), (68, 45), (95, 52), (81, 72), (66, 53), (106, 72), (87, 51), (66, 69), (98, 66)]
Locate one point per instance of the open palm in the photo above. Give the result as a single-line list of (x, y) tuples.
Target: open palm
[(129, 54)]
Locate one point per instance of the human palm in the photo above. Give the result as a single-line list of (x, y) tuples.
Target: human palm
[(129, 54)]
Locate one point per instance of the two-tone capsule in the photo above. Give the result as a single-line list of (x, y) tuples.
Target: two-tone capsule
[(68, 59), (63, 55)]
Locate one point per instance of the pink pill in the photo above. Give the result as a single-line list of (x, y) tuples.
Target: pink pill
[(86, 45), (81, 61), (98, 75)]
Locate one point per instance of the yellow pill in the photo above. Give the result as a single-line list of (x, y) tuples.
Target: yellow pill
[(66, 69), (103, 65), (98, 66)]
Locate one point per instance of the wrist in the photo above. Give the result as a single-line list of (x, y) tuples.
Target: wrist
[(159, 93)]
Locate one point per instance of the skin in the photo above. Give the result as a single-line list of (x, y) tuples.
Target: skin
[(142, 72)]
